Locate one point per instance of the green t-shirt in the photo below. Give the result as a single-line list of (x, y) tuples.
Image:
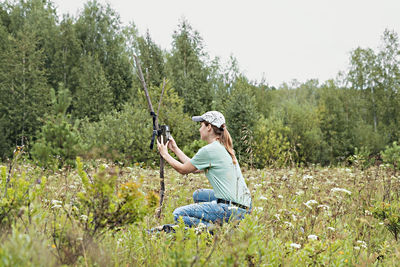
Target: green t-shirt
[(225, 177)]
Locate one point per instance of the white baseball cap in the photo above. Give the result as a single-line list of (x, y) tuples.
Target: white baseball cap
[(213, 117)]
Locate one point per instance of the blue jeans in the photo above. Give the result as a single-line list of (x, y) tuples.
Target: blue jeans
[(207, 210)]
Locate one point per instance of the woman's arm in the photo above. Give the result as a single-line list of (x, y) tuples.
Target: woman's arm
[(182, 168), (177, 151)]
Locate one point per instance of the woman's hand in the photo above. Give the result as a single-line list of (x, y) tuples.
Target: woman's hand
[(172, 144), (163, 149)]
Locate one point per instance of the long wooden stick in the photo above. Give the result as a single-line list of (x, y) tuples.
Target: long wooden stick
[(162, 162), (162, 93)]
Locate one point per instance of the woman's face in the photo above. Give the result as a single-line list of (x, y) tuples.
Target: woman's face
[(204, 130)]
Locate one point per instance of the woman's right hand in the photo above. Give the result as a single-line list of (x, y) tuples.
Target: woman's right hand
[(172, 144)]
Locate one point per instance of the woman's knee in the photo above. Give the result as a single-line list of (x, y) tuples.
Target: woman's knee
[(196, 195), (177, 213)]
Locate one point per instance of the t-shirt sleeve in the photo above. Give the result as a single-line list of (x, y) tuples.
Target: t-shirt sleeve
[(201, 160)]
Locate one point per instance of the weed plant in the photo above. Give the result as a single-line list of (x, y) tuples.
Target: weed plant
[(301, 216)]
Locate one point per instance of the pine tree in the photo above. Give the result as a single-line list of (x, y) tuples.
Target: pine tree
[(58, 139), (188, 71), (23, 87), (100, 33), (152, 60), (93, 95)]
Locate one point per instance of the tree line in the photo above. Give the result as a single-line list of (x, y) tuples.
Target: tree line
[(69, 87)]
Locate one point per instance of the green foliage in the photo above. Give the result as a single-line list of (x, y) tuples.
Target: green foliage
[(191, 150), (17, 192), (99, 31), (93, 95), (121, 136), (58, 140), (391, 155), (300, 217), (23, 87), (91, 55), (152, 60), (389, 214), (272, 145), (25, 249), (362, 158), (125, 135), (240, 114), (105, 204), (187, 70)]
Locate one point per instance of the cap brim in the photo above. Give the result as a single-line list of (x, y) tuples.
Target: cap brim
[(197, 119)]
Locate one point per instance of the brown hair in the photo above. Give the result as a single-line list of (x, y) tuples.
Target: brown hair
[(224, 138)]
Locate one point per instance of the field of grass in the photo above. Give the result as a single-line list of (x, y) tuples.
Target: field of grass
[(301, 216)]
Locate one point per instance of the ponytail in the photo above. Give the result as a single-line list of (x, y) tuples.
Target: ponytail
[(225, 139)]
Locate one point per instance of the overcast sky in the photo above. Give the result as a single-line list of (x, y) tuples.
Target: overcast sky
[(278, 39)]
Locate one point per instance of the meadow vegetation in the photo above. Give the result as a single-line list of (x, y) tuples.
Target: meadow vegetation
[(97, 214)]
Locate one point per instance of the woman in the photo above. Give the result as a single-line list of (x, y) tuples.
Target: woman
[(230, 198)]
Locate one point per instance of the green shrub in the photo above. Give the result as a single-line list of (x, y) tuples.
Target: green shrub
[(389, 214), (105, 204), (191, 150), (121, 136), (125, 135), (271, 144), (58, 141), (391, 156), (17, 192), (362, 158)]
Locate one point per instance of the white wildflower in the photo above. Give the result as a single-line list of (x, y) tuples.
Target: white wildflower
[(324, 207), (331, 228), (294, 245), (368, 213), (277, 216), (84, 217), (381, 223), (201, 225), (257, 185), (300, 192), (280, 196), (337, 189), (307, 177), (294, 217), (357, 248), (312, 237), (362, 243), (56, 206), (263, 198), (288, 224), (56, 202), (309, 203)]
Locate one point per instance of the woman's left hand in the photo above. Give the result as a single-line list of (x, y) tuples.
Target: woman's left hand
[(163, 149)]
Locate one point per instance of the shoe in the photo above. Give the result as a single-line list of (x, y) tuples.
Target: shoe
[(167, 228)]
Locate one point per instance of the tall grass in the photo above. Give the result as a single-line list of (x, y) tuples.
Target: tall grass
[(301, 216)]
